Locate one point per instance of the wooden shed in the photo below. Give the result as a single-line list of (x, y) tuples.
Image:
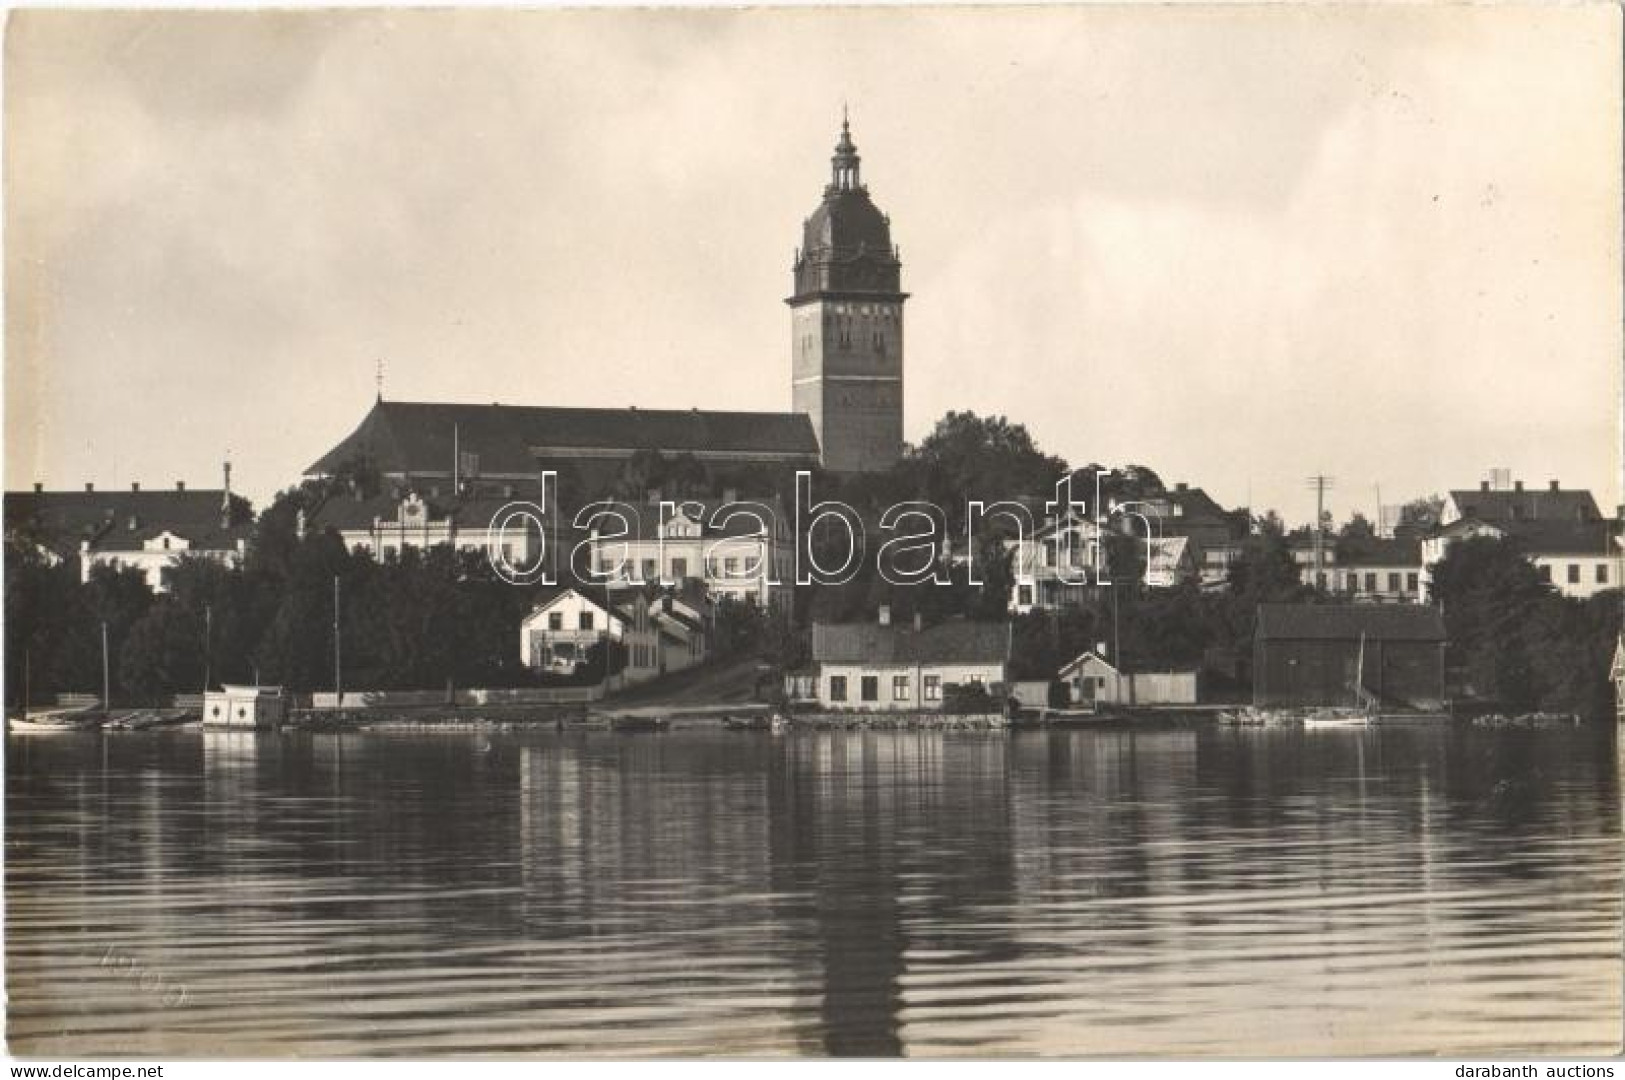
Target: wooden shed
[(1327, 654)]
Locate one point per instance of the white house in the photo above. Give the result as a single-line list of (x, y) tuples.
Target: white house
[(560, 631), (151, 531), (1378, 569), (157, 550), (737, 549), (409, 517), (1055, 565), (881, 667), (1578, 559), (662, 631)]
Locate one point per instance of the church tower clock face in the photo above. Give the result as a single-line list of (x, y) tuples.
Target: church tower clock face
[(847, 324)]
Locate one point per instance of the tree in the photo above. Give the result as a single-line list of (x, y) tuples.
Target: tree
[(1357, 537), (1514, 641), (973, 457), (1423, 513)]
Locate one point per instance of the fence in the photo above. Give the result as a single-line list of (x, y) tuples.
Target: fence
[(408, 699)]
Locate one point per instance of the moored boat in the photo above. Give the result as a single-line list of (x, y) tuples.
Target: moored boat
[(639, 723)]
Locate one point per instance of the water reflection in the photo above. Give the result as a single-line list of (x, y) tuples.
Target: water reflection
[(1400, 890)]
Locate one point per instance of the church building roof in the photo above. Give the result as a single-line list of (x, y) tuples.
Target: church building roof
[(422, 438)]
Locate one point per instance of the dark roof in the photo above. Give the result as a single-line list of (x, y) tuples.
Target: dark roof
[(1532, 504), (402, 437), (1340, 622), (61, 519), (1545, 537), (1395, 551), (1556, 537), (955, 641)]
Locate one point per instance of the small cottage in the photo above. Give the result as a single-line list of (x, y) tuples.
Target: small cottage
[(1092, 680)]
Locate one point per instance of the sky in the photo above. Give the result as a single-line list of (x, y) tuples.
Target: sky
[(1240, 245)]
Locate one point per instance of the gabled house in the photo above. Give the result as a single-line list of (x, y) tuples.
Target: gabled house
[(561, 630), (1091, 679), (1560, 530)]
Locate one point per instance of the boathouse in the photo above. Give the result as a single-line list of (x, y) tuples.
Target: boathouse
[(244, 707), (1345, 654)]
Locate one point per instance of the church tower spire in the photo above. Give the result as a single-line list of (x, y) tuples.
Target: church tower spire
[(844, 165), (847, 323)]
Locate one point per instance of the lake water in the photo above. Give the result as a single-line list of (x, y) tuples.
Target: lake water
[(1403, 890)]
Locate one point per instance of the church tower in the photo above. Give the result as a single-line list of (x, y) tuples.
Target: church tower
[(846, 319)]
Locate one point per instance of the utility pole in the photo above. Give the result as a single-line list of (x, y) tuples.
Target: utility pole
[(1320, 485), (208, 635), (106, 698), (338, 670)]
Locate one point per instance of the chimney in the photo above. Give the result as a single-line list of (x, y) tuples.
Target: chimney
[(90, 487), (180, 485), (1182, 486), (38, 487), (1483, 485), (135, 485), (885, 615), (1554, 485), (1517, 485)]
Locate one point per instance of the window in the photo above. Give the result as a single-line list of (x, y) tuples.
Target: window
[(1026, 595), (933, 688), (1545, 573), (1371, 581), (899, 688), (869, 687), (555, 620), (1574, 573), (1410, 582), (585, 620), (1320, 579), (837, 687), (1393, 581), (1602, 573), (649, 570), (730, 567), (679, 569)]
